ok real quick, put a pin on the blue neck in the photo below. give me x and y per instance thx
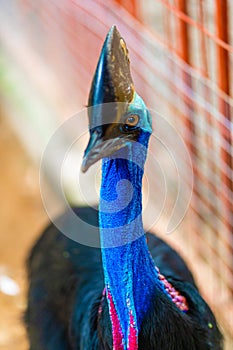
(130, 275)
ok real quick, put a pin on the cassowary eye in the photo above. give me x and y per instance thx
(132, 120)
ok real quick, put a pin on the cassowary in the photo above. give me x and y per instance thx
(135, 292)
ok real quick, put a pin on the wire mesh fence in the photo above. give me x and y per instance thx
(200, 34)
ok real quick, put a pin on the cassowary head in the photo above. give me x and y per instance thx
(117, 114)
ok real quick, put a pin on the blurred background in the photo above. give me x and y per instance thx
(182, 64)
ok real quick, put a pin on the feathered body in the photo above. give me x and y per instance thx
(135, 292)
(66, 287)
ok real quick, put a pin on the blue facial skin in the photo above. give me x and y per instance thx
(129, 270)
(137, 106)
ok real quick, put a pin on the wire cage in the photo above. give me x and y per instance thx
(181, 56)
(198, 37)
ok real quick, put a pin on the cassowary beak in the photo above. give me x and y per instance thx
(111, 91)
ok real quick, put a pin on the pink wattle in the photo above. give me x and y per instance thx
(133, 336)
(116, 327)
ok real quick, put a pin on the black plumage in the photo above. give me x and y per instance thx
(66, 285)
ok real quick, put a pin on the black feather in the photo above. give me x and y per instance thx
(65, 292)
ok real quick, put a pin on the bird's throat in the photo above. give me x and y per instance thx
(128, 267)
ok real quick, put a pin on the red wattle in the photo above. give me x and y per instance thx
(133, 336)
(116, 327)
